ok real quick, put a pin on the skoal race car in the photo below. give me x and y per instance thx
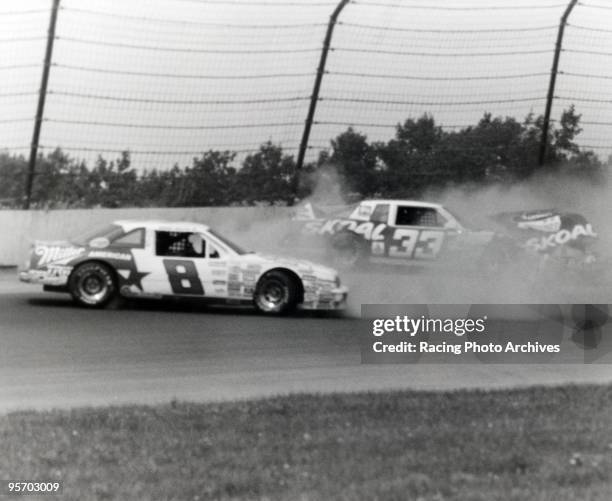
(408, 232)
(155, 259)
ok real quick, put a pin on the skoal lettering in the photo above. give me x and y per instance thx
(561, 237)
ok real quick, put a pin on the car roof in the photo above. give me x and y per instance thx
(396, 201)
(159, 224)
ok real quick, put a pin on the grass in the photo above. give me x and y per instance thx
(526, 444)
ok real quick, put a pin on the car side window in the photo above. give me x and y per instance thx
(132, 240)
(179, 244)
(380, 213)
(213, 252)
(417, 216)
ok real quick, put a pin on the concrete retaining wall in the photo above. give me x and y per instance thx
(253, 227)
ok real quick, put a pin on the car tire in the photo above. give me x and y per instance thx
(92, 285)
(346, 250)
(276, 293)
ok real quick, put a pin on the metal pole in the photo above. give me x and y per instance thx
(317, 84)
(41, 103)
(551, 85)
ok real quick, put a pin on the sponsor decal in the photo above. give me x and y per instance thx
(99, 243)
(250, 276)
(234, 289)
(217, 264)
(530, 216)
(549, 224)
(368, 229)
(56, 254)
(560, 238)
(55, 271)
(122, 256)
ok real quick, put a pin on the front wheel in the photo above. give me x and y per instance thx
(276, 293)
(92, 285)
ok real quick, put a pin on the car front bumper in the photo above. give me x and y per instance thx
(53, 277)
(335, 299)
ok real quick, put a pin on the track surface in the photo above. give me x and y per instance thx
(57, 355)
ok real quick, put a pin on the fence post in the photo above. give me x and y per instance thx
(551, 85)
(317, 84)
(41, 103)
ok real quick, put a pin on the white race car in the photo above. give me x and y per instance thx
(156, 259)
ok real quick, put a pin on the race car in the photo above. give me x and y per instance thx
(156, 259)
(409, 232)
(565, 237)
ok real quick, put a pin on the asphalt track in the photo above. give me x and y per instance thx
(55, 354)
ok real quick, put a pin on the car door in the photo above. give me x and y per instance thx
(181, 265)
(417, 233)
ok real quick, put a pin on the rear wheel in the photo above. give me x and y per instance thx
(92, 285)
(276, 293)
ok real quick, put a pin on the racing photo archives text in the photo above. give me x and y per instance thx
(457, 327)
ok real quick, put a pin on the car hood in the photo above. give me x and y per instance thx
(298, 265)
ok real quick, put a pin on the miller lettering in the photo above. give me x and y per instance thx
(59, 255)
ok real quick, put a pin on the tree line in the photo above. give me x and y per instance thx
(420, 157)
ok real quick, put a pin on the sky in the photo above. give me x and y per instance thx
(169, 79)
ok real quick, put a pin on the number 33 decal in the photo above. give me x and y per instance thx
(416, 244)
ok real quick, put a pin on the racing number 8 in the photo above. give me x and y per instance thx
(183, 277)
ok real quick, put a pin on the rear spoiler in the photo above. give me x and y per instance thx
(304, 213)
(308, 211)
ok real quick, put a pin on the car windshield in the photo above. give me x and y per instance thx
(236, 248)
(460, 219)
(109, 231)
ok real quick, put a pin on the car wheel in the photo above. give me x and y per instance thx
(346, 250)
(92, 285)
(276, 293)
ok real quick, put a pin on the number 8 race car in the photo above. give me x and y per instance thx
(155, 259)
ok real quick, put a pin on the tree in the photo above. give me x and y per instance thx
(209, 181)
(12, 179)
(356, 162)
(267, 176)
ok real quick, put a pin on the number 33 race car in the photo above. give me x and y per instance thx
(407, 232)
(156, 259)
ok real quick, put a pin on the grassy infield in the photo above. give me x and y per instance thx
(528, 444)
